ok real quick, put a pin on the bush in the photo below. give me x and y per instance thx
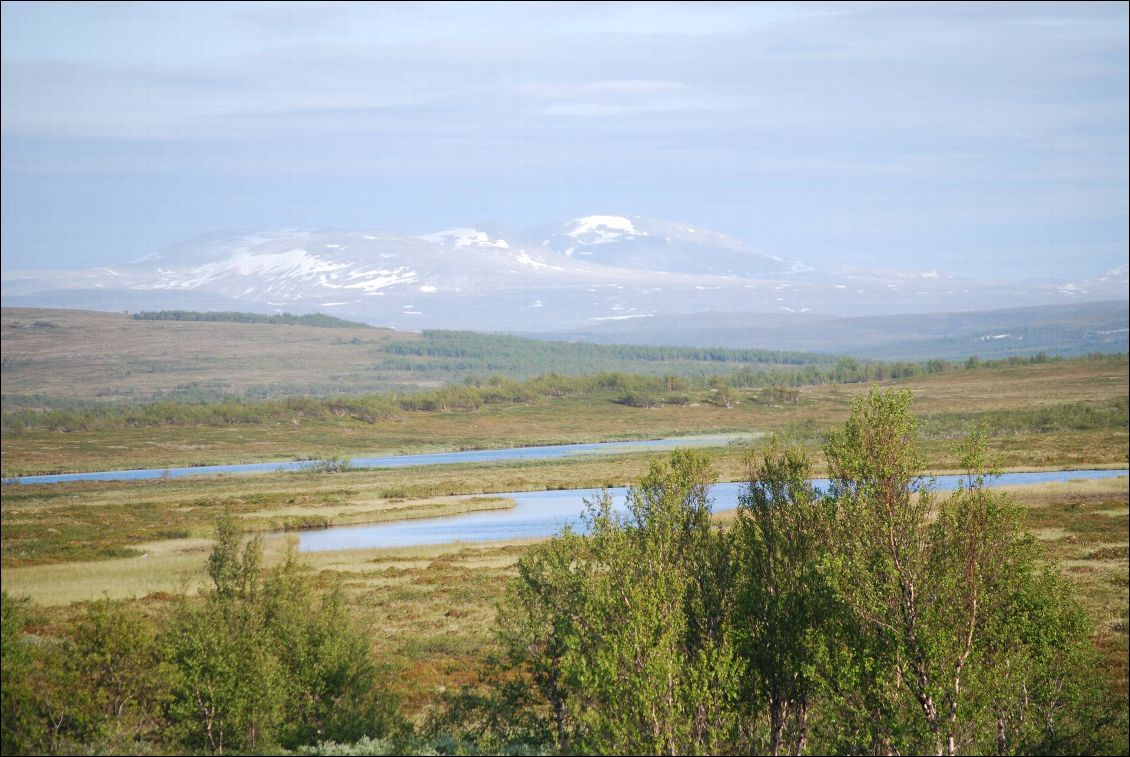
(637, 399)
(336, 464)
(869, 618)
(273, 660)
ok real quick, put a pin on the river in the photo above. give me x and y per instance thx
(540, 514)
(546, 452)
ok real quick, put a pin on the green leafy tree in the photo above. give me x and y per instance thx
(947, 596)
(878, 618)
(46, 707)
(330, 679)
(270, 660)
(634, 657)
(17, 695)
(722, 393)
(540, 629)
(228, 689)
(115, 655)
(874, 464)
(234, 575)
(786, 611)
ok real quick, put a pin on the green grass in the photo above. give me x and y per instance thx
(102, 521)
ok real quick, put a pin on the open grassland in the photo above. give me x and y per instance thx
(63, 356)
(87, 520)
(429, 610)
(103, 521)
(86, 355)
(1066, 413)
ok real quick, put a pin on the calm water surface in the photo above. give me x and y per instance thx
(544, 513)
(404, 461)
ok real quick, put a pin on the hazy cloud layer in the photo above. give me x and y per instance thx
(974, 138)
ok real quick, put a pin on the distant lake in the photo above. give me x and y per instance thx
(547, 452)
(543, 513)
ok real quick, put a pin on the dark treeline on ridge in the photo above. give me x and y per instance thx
(286, 319)
(437, 343)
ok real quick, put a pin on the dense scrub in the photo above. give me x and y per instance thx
(265, 660)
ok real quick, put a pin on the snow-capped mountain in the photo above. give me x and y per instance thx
(578, 274)
(644, 244)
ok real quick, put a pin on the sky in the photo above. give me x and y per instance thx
(982, 140)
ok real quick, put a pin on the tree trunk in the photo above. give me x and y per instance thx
(802, 728)
(777, 713)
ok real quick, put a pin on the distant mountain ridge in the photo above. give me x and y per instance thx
(1076, 329)
(576, 275)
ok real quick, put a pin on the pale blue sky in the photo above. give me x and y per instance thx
(979, 139)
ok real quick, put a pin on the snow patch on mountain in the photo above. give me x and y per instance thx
(620, 317)
(374, 279)
(524, 258)
(285, 274)
(296, 263)
(465, 237)
(601, 230)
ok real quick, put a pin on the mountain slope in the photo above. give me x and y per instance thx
(643, 244)
(566, 277)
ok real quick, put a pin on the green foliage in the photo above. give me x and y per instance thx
(638, 399)
(503, 352)
(266, 660)
(46, 707)
(330, 677)
(115, 654)
(17, 695)
(439, 744)
(24, 414)
(722, 393)
(228, 688)
(620, 633)
(947, 599)
(786, 610)
(1044, 419)
(269, 660)
(874, 618)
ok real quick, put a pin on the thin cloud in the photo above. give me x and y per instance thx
(897, 122)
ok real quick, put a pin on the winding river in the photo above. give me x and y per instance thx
(547, 452)
(537, 514)
(543, 513)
